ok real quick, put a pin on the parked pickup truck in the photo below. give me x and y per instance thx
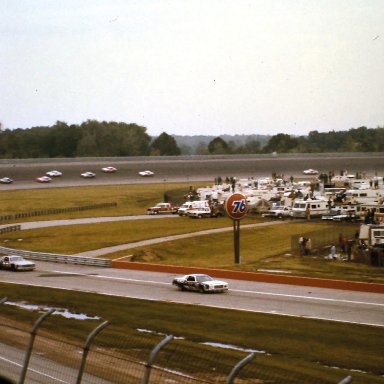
(279, 212)
(163, 208)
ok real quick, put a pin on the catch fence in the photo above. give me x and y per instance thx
(105, 355)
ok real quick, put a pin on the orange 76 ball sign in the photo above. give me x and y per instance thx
(236, 206)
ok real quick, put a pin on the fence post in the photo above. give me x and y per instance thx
(90, 337)
(152, 357)
(346, 380)
(30, 346)
(239, 366)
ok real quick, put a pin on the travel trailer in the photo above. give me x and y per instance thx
(363, 196)
(311, 207)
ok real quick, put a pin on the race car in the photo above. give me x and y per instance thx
(43, 179)
(16, 263)
(200, 283)
(6, 180)
(54, 173)
(88, 175)
(109, 169)
(310, 171)
(146, 173)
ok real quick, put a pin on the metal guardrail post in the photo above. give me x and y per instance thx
(30, 346)
(3, 300)
(346, 380)
(239, 366)
(90, 338)
(152, 357)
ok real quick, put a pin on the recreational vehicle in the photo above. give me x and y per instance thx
(310, 207)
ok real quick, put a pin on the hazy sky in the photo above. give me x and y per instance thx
(194, 67)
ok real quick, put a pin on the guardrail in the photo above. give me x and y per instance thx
(56, 258)
(55, 211)
(11, 228)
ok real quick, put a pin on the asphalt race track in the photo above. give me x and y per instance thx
(309, 302)
(184, 168)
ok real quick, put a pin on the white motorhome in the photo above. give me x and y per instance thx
(313, 207)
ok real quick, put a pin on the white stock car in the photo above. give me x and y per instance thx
(109, 169)
(88, 175)
(146, 173)
(200, 282)
(6, 180)
(54, 173)
(310, 171)
(16, 263)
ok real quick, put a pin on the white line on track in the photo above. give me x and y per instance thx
(34, 370)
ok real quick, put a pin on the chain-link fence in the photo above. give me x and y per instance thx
(322, 239)
(106, 356)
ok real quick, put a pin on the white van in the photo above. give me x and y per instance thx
(189, 205)
(316, 207)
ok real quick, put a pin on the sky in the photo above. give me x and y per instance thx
(196, 67)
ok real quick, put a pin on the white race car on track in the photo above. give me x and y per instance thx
(200, 282)
(43, 179)
(16, 263)
(146, 173)
(6, 180)
(88, 175)
(54, 173)
(109, 169)
(310, 171)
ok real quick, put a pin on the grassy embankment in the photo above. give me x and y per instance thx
(300, 350)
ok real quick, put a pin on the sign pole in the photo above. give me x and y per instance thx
(236, 240)
(236, 207)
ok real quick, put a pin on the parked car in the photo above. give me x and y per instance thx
(109, 169)
(16, 263)
(88, 175)
(43, 179)
(200, 282)
(6, 180)
(146, 173)
(54, 173)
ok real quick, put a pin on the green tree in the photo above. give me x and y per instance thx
(218, 146)
(165, 145)
(281, 143)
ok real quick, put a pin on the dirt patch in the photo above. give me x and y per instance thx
(144, 256)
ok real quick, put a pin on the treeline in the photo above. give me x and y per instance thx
(103, 139)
